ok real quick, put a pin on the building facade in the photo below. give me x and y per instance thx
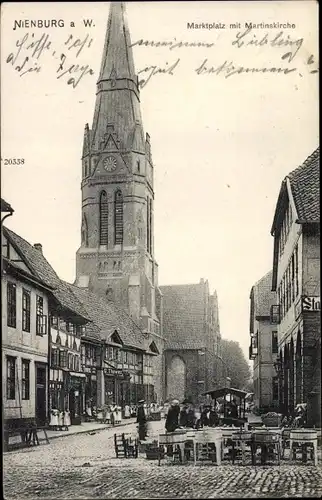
(192, 350)
(119, 356)
(116, 257)
(24, 339)
(296, 279)
(264, 344)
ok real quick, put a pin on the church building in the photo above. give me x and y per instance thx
(192, 352)
(116, 257)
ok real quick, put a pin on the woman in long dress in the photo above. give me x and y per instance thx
(127, 412)
(66, 419)
(53, 424)
(108, 415)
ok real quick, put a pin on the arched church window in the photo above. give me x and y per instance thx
(138, 166)
(103, 219)
(118, 217)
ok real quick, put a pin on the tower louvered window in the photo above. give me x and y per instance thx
(118, 218)
(103, 219)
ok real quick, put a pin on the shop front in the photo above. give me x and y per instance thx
(57, 386)
(76, 396)
(91, 389)
(117, 386)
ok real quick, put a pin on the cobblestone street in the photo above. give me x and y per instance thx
(84, 466)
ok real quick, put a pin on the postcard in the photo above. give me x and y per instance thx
(160, 230)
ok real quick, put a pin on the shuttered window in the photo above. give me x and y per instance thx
(103, 219)
(118, 217)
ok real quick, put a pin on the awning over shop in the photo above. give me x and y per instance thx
(80, 375)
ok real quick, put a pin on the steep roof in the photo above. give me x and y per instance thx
(264, 298)
(104, 317)
(117, 107)
(39, 265)
(184, 316)
(117, 57)
(107, 317)
(305, 185)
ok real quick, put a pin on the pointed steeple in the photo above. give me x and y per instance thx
(117, 100)
(117, 61)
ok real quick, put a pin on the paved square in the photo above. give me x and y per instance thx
(84, 466)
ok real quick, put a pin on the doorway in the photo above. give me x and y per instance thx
(41, 393)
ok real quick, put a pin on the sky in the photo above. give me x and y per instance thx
(222, 142)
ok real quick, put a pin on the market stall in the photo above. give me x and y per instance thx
(233, 406)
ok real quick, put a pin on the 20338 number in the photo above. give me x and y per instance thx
(14, 161)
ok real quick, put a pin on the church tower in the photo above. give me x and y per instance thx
(116, 257)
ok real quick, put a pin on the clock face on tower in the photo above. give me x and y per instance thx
(110, 164)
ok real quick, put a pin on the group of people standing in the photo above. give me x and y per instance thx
(190, 417)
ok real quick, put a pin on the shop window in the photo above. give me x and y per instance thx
(25, 380)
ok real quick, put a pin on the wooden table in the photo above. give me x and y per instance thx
(208, 436)
(266, 439)
(174, 439)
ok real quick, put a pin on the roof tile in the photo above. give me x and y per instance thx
(184, 316)
(305, 185)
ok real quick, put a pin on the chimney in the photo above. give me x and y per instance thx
(38, 246)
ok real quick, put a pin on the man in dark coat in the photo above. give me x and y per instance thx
(204, 420)
(141, 420)
(172, 420)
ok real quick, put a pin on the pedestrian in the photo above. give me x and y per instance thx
(183, 418)
(108, 414)
(127, 412)
(113, 410)
(213, 418)
(205, 414)
(66, 419)
(172, 420)
(197, 418)
(141, 420)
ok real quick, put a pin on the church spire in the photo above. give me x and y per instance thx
(117, 108)
(117, 60)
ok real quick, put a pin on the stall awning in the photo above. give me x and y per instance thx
(80, 375)
(219, 393)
